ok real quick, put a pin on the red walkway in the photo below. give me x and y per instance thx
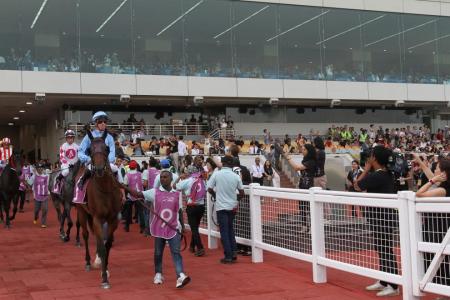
(35, 264)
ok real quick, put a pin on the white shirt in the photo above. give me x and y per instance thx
(195, 151)
(253, 150)
(257, 171)
(182, 149)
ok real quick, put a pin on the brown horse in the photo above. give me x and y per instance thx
(103, 205)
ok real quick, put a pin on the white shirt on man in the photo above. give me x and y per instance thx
(182, 148)
(257, 171)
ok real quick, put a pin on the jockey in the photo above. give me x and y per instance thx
(100, 119)
(68, 154)
(6, 151)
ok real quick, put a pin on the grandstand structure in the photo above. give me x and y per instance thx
(280, 63)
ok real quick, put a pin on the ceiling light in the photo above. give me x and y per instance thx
(38, 13)
(16, 118)
(401, 32)
(179, 18)
(242, 21)
(111, 15)
(11, 124)
(384, 50)
(297, 26)
(21, 111)
(351, 29)
(29, 103)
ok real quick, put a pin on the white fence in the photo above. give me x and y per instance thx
(389, 237)
(151, 130)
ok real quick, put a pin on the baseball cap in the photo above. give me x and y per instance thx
(133, 164)
(165, 163)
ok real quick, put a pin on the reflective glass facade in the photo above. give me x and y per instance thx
(223, 38)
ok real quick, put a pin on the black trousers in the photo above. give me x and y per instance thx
(128, 213)
(22, 199)
(258, 180)
(195, 214)
(383, 238)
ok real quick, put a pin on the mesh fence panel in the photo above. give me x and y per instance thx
(363, 236)
(286, 224)
(434, 228)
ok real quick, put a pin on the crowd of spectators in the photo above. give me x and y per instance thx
(113, 63)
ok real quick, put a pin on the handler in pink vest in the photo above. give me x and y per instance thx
(133, 179)
(165, 226)
(39, 182)
(26, 174)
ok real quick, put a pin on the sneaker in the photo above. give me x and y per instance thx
(389, 291)
(377, 286)
(43, 226)
(226, 261)
(34, 222)
(200, 252)
(182, 281)
(158, 278)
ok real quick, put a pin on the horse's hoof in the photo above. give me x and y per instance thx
(78, 244)
(97, 262)
(106, 285)
(66, 239)
(88, 268)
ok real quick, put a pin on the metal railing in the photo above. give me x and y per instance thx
(150, 130)
(222, 133)
(391, 237)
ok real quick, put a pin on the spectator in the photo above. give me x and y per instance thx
(131, 119)
(382, 220)
(223, 185)
(257, 172)
(182, 151)
(320, 178)
(268, 173)
(352, 176)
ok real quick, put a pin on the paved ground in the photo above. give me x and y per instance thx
(35, 264)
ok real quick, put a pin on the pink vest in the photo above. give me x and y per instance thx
(198, 190)
(26, 172)
(135, 182)
(40, 187)
(166, 206)
(152, 174)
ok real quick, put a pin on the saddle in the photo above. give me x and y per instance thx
(79, 196)
(58, 186)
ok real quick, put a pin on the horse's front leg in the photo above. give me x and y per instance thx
(67, 208)
(15, 199)
(101, 251)
(7, 204)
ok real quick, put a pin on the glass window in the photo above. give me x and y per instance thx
(206, 54)
(420, 48)
(10, 35)
(299, 33)
(382, 50)
(343, 59)
(443, 40)
(252, 24)
(105, 33)
(49, 36)
(158, 37)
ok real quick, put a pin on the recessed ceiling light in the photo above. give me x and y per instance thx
(11, 124)
(385, 50)
(16, 118)
(21, 111)
(350, 48)
(29, 103)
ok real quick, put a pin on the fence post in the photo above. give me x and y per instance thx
(415, 236)
(255, 224)
(317, 237)
(405, 243)
(212, 240)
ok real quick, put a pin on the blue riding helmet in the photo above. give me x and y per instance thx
(99, 115)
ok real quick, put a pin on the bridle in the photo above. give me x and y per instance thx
(98, 149)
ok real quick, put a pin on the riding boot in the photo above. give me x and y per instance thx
(83, 178)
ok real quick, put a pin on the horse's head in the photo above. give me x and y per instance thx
(16, 161)
(99, 154)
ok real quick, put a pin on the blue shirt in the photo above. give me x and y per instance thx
(86, 144)
(225, 182)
